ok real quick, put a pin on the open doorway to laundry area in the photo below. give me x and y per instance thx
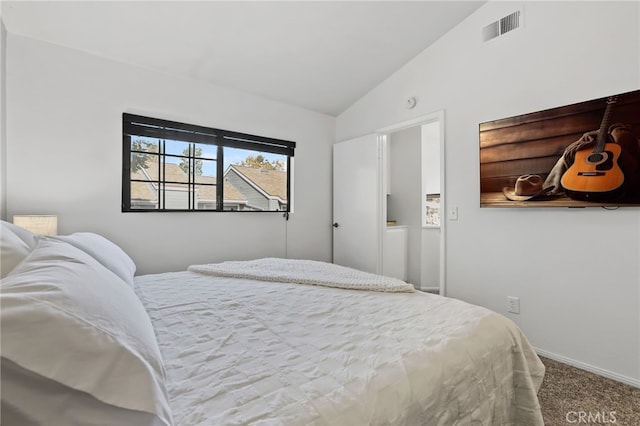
(413, 171)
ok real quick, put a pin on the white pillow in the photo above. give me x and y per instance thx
(25, 235)
(58, 404)
(110, 255)
(67, 318)
(15, 244)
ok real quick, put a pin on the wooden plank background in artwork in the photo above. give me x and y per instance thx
(533, 143)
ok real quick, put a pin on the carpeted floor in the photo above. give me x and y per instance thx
(569, 396)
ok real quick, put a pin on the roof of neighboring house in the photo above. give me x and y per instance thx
(208, 192)
(142, 190)
(272, 182)
(173, 172)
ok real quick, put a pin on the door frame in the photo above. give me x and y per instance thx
(383, 136)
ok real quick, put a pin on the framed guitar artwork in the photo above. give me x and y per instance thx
(579, 155)
(595, 173)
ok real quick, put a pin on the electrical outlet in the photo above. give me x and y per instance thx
(513, 304)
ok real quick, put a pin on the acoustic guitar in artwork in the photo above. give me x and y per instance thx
(595, 174)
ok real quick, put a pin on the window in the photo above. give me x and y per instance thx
(170, 166)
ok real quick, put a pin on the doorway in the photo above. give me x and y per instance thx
(413, 176)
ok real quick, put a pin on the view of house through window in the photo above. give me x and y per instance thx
(255, 180)
(195, 168)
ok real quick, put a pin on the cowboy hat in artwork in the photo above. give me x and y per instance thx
(528, 188)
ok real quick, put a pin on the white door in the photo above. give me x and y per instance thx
(357, 215)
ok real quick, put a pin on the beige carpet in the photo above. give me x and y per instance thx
(572, 396)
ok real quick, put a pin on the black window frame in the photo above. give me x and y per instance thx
(137, 125)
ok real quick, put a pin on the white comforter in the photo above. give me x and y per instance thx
(303, 271)
(250, 352)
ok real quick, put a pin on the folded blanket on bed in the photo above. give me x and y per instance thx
(303, 272)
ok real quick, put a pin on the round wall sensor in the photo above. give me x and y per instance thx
(410, 103)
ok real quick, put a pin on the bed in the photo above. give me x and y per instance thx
(264, 342)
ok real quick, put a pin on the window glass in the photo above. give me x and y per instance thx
(260, 178)
(171, 166)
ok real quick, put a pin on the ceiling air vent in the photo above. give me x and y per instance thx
(501, 26)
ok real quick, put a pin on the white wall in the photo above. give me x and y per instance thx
(404, 201)
(64, 151)
(3, 120)
(431, 168)
(430, 257)
(575, 271)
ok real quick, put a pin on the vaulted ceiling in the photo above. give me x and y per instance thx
(321, 56)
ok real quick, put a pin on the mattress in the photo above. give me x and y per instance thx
(244, 351)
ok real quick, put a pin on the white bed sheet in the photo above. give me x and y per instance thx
(250, 352)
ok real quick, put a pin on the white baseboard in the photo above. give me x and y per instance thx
(583, 366)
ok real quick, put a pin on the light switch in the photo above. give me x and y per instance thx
(453, 213)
